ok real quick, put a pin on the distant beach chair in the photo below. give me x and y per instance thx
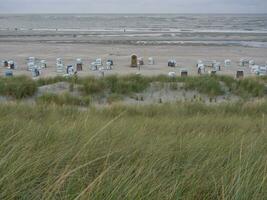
(79, 64)
(184, 72)
(227, 63)
(108, 66)
(36, 72)
(240, 74)
(141, 61)
(93, 66)
(262, 70)
(98, 62)
(243, 62)
(251, 63)
(259, 70)
(8, 73)
(172, 63)
(70, 70)
(151, 61)
(43, 64)
(5, 63)
(30, 63)
(60, 66)
(12, 64)
(134, 61)
(172, 74)
(200, 68)
(111, 62)
(217, 66)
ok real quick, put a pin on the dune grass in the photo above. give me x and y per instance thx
(17, 87)
(205, 84)
(179, 151)
(63, 99)
(125, 85)
(119, 86)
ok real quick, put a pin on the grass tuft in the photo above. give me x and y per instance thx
(17, 87)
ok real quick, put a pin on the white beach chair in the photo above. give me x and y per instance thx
(93, 66)
(98, 62)
(151, 61)
(172, 74)
(108, 65)
(140, 61)
(227, 63)
(60, 66)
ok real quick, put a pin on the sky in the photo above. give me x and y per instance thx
(133, 6)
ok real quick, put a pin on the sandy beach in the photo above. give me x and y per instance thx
(186, 56)
(185, 38)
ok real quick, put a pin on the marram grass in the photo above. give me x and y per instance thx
(181, 151)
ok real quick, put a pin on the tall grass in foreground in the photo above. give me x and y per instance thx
(182, 151)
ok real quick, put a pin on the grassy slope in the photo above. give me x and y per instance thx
(183, 151)
(114, 88)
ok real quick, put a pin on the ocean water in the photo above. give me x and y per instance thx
(245, 30)
(220, 22)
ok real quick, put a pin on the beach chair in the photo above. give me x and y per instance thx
(255, 69)
(262, 70)
(60, 66)
(134, 61)
(111, 62)
(30, 63)
(243, 62)
(151, 61)
(11, 64)
(70, 70)
(200, 68)
(172, 74)
(108, 65)
(79, 64)
(217, 66)
(184, 72)
(171, 63)
(240, 74)
(8, 73)
(98, 62)
(141, 61)
(5, 63)
(93, 66)
(36, 72)
(43, 64)
(227, 63)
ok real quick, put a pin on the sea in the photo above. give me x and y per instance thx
(233, 29)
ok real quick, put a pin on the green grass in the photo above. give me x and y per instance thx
(63, 99)
(17, 87)
(126, 85)
(22, 87)
(179, 151)
(250, 87)
(204, 84)
(52, 80)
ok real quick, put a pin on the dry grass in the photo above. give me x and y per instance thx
(169, 151)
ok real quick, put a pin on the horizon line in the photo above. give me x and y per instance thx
(131, 13)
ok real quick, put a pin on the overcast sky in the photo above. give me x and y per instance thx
(133, 6)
